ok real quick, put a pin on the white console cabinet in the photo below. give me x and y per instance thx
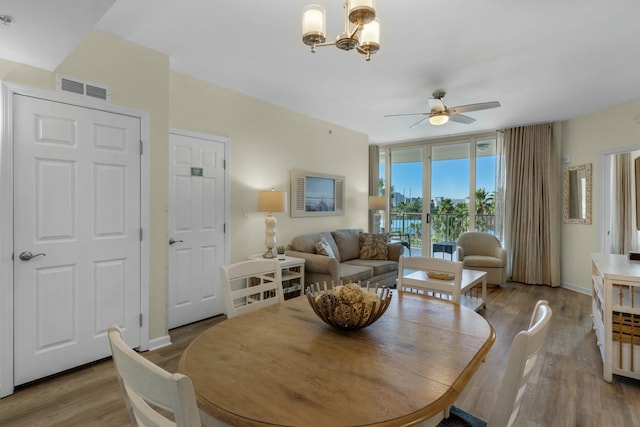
(616, 313)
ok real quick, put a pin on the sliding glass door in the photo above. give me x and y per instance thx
(485, 185)
(438, 191)
(450, 177)
(406, 199)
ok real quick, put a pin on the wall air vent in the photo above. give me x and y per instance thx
(79, 87)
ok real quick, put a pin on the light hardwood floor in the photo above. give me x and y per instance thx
(566, 388)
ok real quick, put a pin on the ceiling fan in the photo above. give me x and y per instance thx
(441, 114)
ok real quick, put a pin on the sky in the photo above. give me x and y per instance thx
(449, 178)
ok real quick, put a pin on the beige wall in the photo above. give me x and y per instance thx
(583, 140)
(266, 143)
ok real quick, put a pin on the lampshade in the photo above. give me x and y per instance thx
(377, 203)
(438, 119)
(314, 23)
(370, 34)
(361, 11)
(272, 201)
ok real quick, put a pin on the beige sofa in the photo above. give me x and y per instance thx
(346, 266)
(483, 251)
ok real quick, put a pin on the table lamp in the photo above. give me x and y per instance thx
(271, 201)
(377, 204)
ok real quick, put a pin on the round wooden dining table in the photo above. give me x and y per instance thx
(282, 366)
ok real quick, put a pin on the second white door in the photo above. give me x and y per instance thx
(196, 227)
(76, 234)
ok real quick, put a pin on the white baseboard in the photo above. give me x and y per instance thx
(576, 288)
(159, 342)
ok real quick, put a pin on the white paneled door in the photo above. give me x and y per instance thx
(196, 227)
(76, 234)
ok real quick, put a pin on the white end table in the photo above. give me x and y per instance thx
(292, 275)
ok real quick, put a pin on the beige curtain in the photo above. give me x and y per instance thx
(501, 182)
(622, 231)
(532, 212)
(374, 175)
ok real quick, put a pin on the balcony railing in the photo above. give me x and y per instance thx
(444, 227)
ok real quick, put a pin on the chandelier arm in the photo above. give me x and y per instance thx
(324, 44)
(355, 30)
(347, 23)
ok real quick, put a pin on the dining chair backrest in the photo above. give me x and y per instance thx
(522, 359)
(249, 285)
(143, 384)
(433, 276)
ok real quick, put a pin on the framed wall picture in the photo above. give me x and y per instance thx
(316, 194)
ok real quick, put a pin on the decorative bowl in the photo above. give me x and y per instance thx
(349, 306)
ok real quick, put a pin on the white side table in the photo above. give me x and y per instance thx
(292, 275)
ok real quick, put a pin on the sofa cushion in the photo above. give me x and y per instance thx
(323, 248)
(374, 246)
(307, 243)
(348, 243)
(482, 261)
(350, 273)
(379, 266)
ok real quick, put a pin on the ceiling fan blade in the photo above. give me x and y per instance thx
(407, 114)
(474, 107)
(459, 118)
(418, 122)
(436, 104)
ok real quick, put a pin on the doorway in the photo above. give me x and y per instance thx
(609, 229)
(197, 212)
(73, 181)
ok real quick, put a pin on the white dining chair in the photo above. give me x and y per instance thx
(431, 276)
(249, 285)
(522, 359)
(145, 385)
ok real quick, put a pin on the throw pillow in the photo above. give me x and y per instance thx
(374, 246)
(323, 248)
(347, 243)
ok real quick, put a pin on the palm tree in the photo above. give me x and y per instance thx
(485, 202)
(485, 209)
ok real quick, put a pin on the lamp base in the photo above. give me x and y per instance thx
(268, 254)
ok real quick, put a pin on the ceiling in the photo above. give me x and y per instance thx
(544, 60)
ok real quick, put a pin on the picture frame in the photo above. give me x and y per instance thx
(316, 194)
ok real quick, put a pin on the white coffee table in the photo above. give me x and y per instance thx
(470, 279)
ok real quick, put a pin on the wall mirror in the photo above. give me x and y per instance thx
(577, 194)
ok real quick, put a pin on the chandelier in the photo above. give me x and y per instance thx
(361, 27)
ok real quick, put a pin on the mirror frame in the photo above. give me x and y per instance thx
(587, 169)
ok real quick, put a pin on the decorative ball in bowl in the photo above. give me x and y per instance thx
(349, 306)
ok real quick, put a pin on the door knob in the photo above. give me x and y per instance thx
(171, 241)
(26, 255)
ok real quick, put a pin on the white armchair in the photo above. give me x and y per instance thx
(482, 251)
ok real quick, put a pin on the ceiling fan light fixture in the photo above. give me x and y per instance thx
(439, 118)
